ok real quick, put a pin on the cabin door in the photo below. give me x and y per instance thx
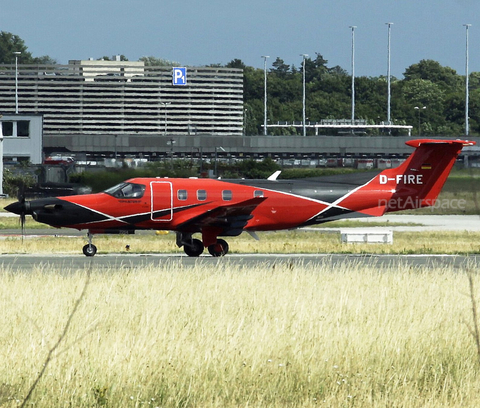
(162, 201)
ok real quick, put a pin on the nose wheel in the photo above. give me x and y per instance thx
(89, 249)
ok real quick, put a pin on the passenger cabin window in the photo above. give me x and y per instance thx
(201, 195)
(227, 195)
(258, 193)
(182, 195)
(126, 190)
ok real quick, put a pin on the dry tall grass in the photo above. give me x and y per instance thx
(227, 336)
(299, 241)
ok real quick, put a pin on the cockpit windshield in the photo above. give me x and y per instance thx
(126, 190)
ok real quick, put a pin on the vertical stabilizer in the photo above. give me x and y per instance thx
(415, 183)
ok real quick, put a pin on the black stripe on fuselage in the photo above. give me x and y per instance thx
(327, 189)
(57, 212)
(138, 218)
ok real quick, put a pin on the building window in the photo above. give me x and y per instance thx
(182, 195)
(227, 195)
(23, 128)
(7, 128)
(201, 195)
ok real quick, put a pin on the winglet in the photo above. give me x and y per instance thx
(274, 176)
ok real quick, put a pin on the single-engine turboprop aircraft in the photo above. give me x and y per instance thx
(215, 208)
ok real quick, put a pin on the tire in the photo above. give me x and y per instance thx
(194, 249)
(89, 250)
(218, 249)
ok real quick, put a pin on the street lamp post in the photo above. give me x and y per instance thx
(245, 122)
(265, 94)
(419, 111)
(165, 104)
(171, 142)
(466, 79)
(388, 74)
(216, 157)
(17, 53)
(353, 74)
(303, 112)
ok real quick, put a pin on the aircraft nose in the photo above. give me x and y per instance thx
(18, 208)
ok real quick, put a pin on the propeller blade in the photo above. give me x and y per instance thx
(22, 224)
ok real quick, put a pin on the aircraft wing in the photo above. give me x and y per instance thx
(230, 219)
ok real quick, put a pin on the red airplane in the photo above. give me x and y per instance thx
(215, 208)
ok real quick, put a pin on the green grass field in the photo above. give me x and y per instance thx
(225, 336)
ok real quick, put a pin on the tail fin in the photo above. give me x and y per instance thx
(414, 184)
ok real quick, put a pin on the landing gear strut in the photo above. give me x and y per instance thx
(89, 249)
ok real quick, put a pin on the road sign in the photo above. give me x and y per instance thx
(179, 76)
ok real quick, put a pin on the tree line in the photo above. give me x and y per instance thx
(430, 97)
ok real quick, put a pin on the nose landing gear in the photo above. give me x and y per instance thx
(89, 249)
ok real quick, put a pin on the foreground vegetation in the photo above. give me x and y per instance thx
(228, 336)
(281, 242)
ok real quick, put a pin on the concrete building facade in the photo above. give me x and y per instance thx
(22, 137)
(125, 98)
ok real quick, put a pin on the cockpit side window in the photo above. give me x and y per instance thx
(126, 190)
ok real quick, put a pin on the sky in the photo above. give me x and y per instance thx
(203, 32)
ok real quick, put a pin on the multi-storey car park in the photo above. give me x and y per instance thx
(119, 98)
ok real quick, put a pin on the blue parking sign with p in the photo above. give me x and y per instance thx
(179, 76)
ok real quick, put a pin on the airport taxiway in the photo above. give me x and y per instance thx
(116, 262)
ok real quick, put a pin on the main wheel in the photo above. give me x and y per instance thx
(89, 250)
(194, 249)
(220, 248)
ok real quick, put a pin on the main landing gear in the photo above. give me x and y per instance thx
(194, 247)
(220, 248)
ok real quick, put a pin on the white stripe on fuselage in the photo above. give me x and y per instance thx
(334, 204)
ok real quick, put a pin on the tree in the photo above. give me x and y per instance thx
(280, 68)
(105, 58)
(430, 70)
(45, 60)
(158, 62)
(10, 43)
(236, 63)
